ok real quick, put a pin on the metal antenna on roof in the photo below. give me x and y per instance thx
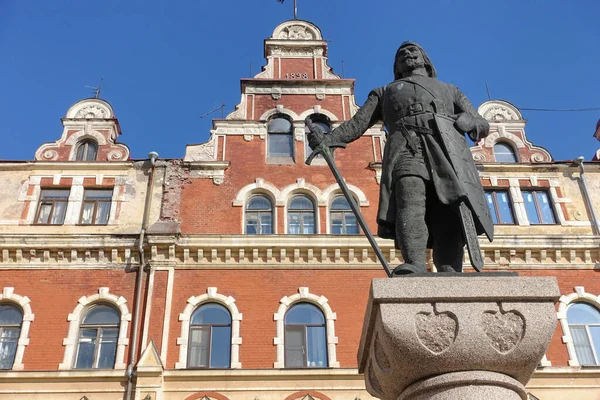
(221, 107)
(295, 8)
(96, 89)
(488, 90)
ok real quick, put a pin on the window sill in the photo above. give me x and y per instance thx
(280, 161)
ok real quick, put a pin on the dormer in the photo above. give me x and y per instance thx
(90, 132)
(507, 142)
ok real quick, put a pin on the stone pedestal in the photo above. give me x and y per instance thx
(468, 336)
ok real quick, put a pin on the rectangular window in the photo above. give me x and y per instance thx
(500, 206)
(281, 145)
(538, 207)
(96, 206)
(52, 207)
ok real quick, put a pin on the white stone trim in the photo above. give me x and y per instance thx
(8, 296)
(304, 296)
(193, 303)
(318, 110)
(75, 318)
(279, 110)
(333, 190)
(505, 137)
(82, 135)
(563, 304)
(101, 108)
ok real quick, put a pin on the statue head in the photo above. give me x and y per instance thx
(410, 56)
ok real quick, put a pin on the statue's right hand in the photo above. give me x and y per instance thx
(316, 135)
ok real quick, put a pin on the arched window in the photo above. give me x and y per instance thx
(280, 139)
(259, 216)
(504, 153)
(323, 122)
(584, 325)
(210, 337)
(87, 150)
(98, 334)
(305, 337)
(301, 215)
(343, 221)
(10, 329)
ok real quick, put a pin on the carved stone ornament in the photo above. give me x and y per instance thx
(436, 331)
(499, 111)
(92, 111)
(202, 152)
(505, 329)
(456, 337)
(296, 32)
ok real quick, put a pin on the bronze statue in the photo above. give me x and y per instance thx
(430, 194)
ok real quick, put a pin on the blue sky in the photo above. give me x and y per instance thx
(165, 63)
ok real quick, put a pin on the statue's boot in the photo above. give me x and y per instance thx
(407, 269)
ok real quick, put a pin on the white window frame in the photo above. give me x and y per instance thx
(304, 296)
(8, 296)
(193, 303)
(580, 296)
(76, 317)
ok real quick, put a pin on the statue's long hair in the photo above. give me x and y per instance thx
(428, 64)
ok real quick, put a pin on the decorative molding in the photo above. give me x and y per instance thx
(318, 110)
(91, 109)
(240, 111)
(259, 186)
(314, 89)
(193, 303)
(334, 189)
(297, 30)
(563, 304)
(206, 151)
(280, 109)
(499, 111)
(8, 296)
(322, 303)
(75, 318)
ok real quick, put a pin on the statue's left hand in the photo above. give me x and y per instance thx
(476, 128)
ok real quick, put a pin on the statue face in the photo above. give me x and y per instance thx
(409, 59)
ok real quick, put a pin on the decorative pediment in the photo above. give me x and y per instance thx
(91, 121)
(297, 30)
(499, 111)
(507, 129)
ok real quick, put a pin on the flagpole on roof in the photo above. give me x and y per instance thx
(295, 10)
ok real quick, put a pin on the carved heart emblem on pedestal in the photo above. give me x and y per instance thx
(505, 329)
(436, 332)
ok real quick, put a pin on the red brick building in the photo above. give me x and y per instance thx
(255, 275)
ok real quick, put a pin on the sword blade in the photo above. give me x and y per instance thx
(327, 155)
(468, 225)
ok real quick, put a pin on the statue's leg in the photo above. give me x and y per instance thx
(411, 230)
(447, 237)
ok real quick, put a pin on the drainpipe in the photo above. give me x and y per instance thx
(152, 156)
(579, 162)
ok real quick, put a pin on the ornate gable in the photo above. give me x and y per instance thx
(507, 127)
(91, 121)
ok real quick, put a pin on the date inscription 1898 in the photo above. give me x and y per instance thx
(297, 75)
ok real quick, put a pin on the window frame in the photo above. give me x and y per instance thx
(95, 202)
(41, 202)
(98, 343)
(281, 159)
(305, 336)
(210, 335)
(586, 327)
(331, 211)
(511, 206)
(546, 192)
(259, 213)
(84, 144)
(14, 339)
(511, 147)
(302, 212)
